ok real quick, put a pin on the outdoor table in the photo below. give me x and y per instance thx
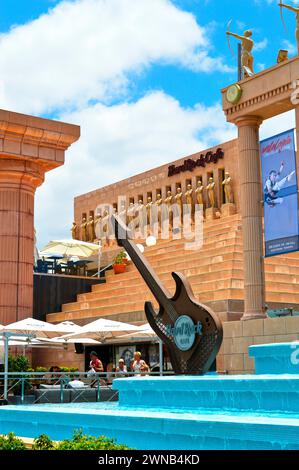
(82, 264)
(52, 260)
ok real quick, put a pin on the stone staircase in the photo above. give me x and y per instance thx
(215, 273)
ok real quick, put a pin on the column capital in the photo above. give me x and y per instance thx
(253, 121)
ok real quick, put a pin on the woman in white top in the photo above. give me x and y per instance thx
(139, 365)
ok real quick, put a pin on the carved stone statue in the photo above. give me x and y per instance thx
(199, 192)
(211, 193)
(130, 214)
(247, 46)
(295, 10)
(228, 190)
(91, 236)
(84, 230)
(74, 231)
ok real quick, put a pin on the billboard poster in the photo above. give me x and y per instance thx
(280, 190)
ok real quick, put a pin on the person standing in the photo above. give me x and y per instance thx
(139, 365)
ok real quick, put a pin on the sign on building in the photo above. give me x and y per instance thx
(280, 191)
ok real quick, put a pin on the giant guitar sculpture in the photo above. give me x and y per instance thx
(191, 331)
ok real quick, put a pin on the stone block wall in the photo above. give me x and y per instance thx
(239, 335)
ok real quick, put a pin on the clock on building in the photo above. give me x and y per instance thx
(234, 93)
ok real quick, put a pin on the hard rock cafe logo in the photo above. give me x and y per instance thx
(184, 332)
(202, 161)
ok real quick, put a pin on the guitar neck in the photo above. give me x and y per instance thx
(141, 263)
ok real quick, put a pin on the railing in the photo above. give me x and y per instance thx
(20, 383)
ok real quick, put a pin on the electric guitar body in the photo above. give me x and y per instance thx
(191, 331)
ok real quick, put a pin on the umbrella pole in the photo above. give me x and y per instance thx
(161, 357)
(6, 340)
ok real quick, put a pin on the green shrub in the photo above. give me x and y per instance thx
(11, 442)
(43, 442)
(80, 441)
(121, 258)
(41, 369)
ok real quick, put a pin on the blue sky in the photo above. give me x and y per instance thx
(141, 77)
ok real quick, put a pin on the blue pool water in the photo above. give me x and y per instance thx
(194, 413)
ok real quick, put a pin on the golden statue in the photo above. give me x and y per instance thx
(74, 231)
(179, 198)
(189, 198)
(98, 225)
(295, 10)
(228, 190)
(168, 203)
(149, 207)
(211, 193)
(247, 46)
(130, 213)
(123, 212)
(141, 222)
(105, 229)
(91, 236)
(178, 207)
(199, 192)
(84, 230)
(158, 204)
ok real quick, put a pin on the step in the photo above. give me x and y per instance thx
(107, 298)
(251, 393)
(217, 259)
(204, 286)
(116, 289)
(130, 307)
(207, 240)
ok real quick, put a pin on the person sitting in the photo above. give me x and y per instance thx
(140, 367)
(75, 383)
(95, 366)
(110, 369)
(54, 375)
(121, 370)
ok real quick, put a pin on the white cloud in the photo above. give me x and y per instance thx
(86, 49)
(261, 45)
(120, 141)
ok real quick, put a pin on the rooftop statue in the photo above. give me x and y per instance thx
(295, 10)
(247, 46)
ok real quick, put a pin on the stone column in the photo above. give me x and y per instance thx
(252, 213)
(18, 182)
(29, 147)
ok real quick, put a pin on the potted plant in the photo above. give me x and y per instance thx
(120, 262)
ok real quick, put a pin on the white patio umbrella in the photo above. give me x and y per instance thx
(36, 328)
(62, 340)
(68, 248)
(143, 331)
(103, 329)
(67, 327)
